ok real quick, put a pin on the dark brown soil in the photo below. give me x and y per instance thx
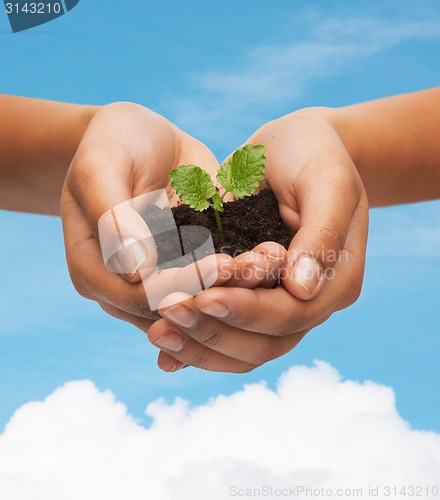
(246, 223)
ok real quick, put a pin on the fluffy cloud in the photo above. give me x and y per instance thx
(314, 430)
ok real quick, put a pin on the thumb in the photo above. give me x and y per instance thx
(125, 151)
(126, 241)
(102, 186)
(326, 212)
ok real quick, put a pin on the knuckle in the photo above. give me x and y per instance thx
(80, 246)
(288, 324)
(330, 238)
(351, 187)
(124, 107)
(79, 173)
(107, 309)
(350, 295)
(90, 162)
(267, 128)
(82, 289)
(76, 272)
(269, 352)
(199, 360)
(211, 337)
(354, 294)
(346, 181)
(287, 328)
(142, 310)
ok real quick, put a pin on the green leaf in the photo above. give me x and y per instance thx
(244, 172)
(218, 203)
(193, 185)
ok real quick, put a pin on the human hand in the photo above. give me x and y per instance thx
(322, 198)
(127, 150)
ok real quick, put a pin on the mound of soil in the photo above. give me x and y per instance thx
(246, 223)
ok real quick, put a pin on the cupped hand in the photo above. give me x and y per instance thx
(126, 151)
(322, 199)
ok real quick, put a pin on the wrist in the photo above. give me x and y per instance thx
(341, 123)
(77, 125)
(38, 141)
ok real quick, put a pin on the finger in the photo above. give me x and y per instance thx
(215, 349)
(272, 250)
(325, 213)
(126, 242)
(275, 256)
(185, 350)
(260, 267)
(170, 360)
(195, 152)
(121, 155)
(273, 312)
(167, 363)
(86, 266)
(102, 179)
(276, 311)
(179, 348)
(142, 323)
(90, 276)
(176, 284)
(351, 264)
(125, 238)
(239, 344)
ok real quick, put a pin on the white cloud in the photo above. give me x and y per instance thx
(268, 79)
(313, 430)
(372, 35)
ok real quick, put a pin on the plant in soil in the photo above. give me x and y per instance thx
(241, 176)
(249, 220)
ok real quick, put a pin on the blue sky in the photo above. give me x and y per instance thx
(192, 61)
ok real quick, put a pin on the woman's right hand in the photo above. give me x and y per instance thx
(127, 150)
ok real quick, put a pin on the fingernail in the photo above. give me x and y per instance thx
(307, 273)
(132, 256)
(210, 277)
(171, 342)
(181, 316)
(177, 367)
(171, 365)
(215, 309)
(272, 257)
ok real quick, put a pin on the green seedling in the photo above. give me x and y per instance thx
(240, 176)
